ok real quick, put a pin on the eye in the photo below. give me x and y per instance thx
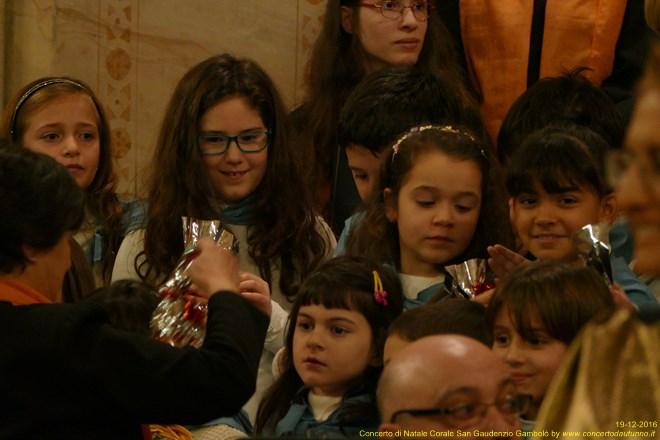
(566, 201)
(88, 136)
(501, 339)
(50, 136)
(426, 203)
(419, 6)
(339, 330)
(248, 137)
(464, 208)
(535, 341)
(526, 200)
(304, 325)
(214, 139)
(464, 411)
(390, 5)
(360, 176)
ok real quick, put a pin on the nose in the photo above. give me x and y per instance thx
(513, 356)
(545, 213)
(408, 20)
(233, 153)
(70, 147)
(314, 339)
(443, 215)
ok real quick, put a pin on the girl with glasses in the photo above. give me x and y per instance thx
(223, 152)
(359, 38)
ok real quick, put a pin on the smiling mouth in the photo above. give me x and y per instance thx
(234, 174)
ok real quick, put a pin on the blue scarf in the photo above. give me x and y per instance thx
(241, 212)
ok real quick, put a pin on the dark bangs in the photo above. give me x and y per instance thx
(558, 162)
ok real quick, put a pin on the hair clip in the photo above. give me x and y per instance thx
(380, 295)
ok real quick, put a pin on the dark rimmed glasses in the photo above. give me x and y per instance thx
(212, 144)
(392, 9)
(471, 414)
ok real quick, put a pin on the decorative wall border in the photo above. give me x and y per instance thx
(118, 21)
(310, 21)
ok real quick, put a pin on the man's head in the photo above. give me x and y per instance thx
(460, 378)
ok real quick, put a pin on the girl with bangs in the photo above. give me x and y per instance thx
(334, 353)
(557, 186)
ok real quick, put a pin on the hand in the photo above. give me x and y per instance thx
(503, 261)
(484, 297)
(621, 300)
(257, 291)
(214, 269)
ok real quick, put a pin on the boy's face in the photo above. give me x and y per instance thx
(364, 165)
(533, 361)
(545, 222)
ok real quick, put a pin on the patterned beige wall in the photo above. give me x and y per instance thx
(132, 52)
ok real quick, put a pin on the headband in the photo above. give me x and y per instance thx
(32, 90)
(443, 128)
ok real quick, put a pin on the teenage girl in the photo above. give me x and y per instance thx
(224, 153)
(438, 201)
(534, 315)
(62, 117)
(334, 345)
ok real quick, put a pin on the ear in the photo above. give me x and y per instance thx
(609, 209)
(30, 253)
(390, 205)
(347, 19)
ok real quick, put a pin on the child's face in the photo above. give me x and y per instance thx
(66, 129)
(532, 362)
(436, 212)
(234, 173)
(545, 222)
(332, 348)
(364, 166)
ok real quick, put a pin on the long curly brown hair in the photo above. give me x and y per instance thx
(285, 225)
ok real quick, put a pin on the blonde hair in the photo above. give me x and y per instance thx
(652, 14)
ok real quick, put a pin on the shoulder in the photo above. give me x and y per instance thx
(326, 232)
(133, 214)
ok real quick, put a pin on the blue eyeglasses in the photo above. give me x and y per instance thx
(212, 144)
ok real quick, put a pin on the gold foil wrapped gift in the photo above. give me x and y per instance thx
(180, 318)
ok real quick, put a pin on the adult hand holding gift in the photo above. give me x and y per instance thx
(180, 318)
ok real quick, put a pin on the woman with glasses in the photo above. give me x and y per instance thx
(223, 153)
(359, 38)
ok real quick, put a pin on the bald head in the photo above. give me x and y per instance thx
(432, 371)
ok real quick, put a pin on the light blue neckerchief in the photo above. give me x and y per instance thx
(241, 212)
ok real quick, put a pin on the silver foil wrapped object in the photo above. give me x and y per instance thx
(593, 245)
(469, 278)
(180, 317)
